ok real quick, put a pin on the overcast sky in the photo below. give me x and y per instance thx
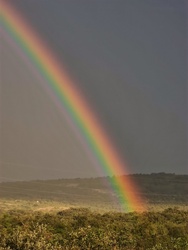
(128, 57)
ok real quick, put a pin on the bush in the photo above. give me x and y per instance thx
(82, 229)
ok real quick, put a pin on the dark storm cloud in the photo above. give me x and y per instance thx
(129, 59)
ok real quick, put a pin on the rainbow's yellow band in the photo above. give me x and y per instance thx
(74, 103)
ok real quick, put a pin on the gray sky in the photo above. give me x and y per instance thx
(128, 58)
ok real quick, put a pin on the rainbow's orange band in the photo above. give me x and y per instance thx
(69, 96)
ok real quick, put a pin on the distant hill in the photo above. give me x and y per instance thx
(157, 188)
(163, 188)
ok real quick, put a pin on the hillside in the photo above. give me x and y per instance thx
(156, 189)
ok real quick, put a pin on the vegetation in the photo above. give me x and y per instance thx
(50, 215)
(83, 229)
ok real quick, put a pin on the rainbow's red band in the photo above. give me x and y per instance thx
(79, 111)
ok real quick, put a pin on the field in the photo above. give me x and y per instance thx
(158, 190)
(85, 214)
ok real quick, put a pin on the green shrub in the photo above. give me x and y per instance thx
(82, 229)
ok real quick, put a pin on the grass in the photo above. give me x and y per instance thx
(54, 206)
(160, 191)
(43, 206)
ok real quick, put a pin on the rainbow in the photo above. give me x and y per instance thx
(74, 103)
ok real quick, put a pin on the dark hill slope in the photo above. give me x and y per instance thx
(155, 188)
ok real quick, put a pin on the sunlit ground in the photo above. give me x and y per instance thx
(52, 206)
